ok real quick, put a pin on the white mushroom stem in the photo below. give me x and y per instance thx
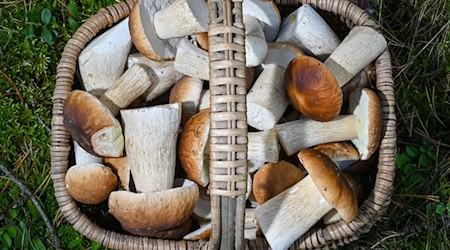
(191, 60)
(332, 217)
(187, 91)
(250, 224)
(162, 74)
(130, 86)
(307, 30)
(204, 100)
(182, 18)
(267, 13)
(263, 146)
(151, 139)
(255, 42)
(82, 157)
(267, 100)
(304, 133)
(291, 213)
(102, 62)
(254, 165)
(359, 48)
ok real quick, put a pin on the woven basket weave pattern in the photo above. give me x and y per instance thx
(228, 131)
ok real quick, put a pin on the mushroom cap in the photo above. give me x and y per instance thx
(187, 91)
(313, 89)
(92, 125)
(154, 211)
(90, 183)
(282, 53)
(194, 145)
(330, 182)
(202, 40)
(203, 233)
(176, 233)
(266, 11)
(273, 178)
(365, 104)
(343, 153)
(143, 32)
(122, 167)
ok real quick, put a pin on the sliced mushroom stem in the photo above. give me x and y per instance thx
(255, 42)
(182, 18)
(204, 100)
(304, 133)
(130, 86)
(263, 146)
(151, 138)
(162, 74)
(83, 157)
(280, 225)
(191, 60)
(360, 47)
(307, 29)
(254, 165)
(267, 100)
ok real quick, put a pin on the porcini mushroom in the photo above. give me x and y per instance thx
(187, 92)
(263, 146)
(204, 102)
(151, 138)
(103, 60)
(306, 29)
(342, 153)
(362, 127)
(122, 167)
(202, 210)
(202, 40)
(267, 13)
(154, 211)
(175, 233)
(92, 125)
(287, 216)
(82, 157)
(90, 183)
(281, 53)
(192, 61)
(255, 42)
(274, 178)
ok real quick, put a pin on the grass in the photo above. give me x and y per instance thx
(418, 33)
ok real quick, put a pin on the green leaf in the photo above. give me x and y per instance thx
(31, 17)
(46, 16)
(412, 152)
(440, 209)
(409, 167)
(72, 23)
(14, 213)
(7, 240)
(432, 154)
(37, 243)
(425, 161)
(12, 231)
(415, 177)
(95, 245)
(33, 210)
(74, 243)
(46, 34)
(73, 8)
(401, 160)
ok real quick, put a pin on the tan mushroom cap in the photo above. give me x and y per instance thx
(343, 153)
(176, 233)
(365, 104)
(193, 145)
(143, 32)
(90, 183)
(155, 211)
(313, 89)
(282, 53)
(330, 182)
(122, 167)
(273, 178)
(202, 40)
(203, 233)
(92, 125)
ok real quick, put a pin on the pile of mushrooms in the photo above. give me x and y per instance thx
(141, 124)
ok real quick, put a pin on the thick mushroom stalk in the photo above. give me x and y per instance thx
(363, 127)
(287, 216)
(191, 60)
(182, 18)
(268, 15)
(255, 42)
(263, 146)
(151, 139)
(307, 29)
(82, 157)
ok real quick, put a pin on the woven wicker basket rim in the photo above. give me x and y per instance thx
(333, 235)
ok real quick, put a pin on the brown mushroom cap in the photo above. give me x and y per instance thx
(273, 178)
(313, 89)
(90, 183)
(343, 153)
(154, 211)
(92, 125)
(202, 40)
(176, 233)
(330, 182)
(193, 144)
(203, 233)
(122, 167)
(365, 104)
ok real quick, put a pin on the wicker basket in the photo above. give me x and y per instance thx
(228, 173)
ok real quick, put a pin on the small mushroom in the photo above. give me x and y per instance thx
(122, 167)
(193, 147)
(255, 42)
(90, 183)
(342, 153)
(202, 40)
(267, 13)
(290, 214)
(154, 211)
(263, 146)
(187, 92)
(274, 178)
(92, 125)
(281, 53)
(192, 61)
(362, 127)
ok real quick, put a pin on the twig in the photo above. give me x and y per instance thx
(28, 193)
(8, 79)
